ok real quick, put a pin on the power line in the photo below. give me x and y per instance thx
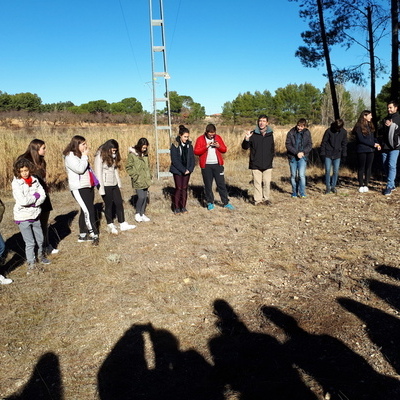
(130, 42)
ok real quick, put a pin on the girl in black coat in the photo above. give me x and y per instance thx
(182, 165)
(364, 131)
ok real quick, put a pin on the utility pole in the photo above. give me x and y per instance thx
(162, 120)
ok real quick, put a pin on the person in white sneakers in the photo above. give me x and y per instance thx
(81, 182)
(138, 168)
(366, 144)
(3, 280)
(107, 162)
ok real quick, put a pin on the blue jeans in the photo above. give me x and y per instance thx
(2, 246)
(298, 176)
(389, 160)
(331, 182)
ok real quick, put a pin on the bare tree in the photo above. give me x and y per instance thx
(394, 13)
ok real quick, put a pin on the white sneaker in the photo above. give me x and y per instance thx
(51, 250)
(145, 219)
(5, 281)
(138, 218)
(124, 226)
(111, 228)
(366, 189)
(361, 189)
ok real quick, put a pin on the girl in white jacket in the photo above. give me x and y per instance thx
(81, 183)
(106, 165)
(28, 195)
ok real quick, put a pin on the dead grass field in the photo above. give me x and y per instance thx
(295, 301)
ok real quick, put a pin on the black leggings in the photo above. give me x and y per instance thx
(113, 196)
(87, 217)
(365, 161)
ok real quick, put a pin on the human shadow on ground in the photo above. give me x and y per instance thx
(383, 329)
(239, 193)
(340, 371)
(196, 191)
(45, 382)
(176, 374)
(388, 271)
(15, 244)
(256, 365)
(61, 228)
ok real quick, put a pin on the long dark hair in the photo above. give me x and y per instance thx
(32, 154)
(367, 127)
(73, 146)
(141, 142)
(106, 154)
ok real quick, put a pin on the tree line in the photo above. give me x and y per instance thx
(33, 103)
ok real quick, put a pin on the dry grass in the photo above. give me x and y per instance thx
(154, 309)
(16, 141)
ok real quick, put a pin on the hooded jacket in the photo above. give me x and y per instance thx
(106, 174)
(176, 150)
(27, 207)
(77, 171)
(138, 168)
(262, 149)
(391, 134)
(334, 144)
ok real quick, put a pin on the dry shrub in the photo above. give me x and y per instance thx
(56, 138)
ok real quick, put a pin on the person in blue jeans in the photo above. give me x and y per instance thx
(333, 150)
(298, 146)
(390, 145)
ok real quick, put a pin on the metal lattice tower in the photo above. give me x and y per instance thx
(162, 120)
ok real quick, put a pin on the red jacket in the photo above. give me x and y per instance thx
(201, 149)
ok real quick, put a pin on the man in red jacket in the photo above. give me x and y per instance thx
(210, 147)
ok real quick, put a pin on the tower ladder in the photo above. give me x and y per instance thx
(162, 120)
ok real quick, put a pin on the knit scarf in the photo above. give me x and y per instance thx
(28, 181)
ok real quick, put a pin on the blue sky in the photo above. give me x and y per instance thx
(91, 50)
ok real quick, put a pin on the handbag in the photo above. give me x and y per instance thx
(93, 179)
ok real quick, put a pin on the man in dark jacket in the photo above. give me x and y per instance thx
(262, 150)
(390, 145)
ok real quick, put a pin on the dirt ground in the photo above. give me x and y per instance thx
(298, 300)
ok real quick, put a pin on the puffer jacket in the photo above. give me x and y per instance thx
(138, 168)
(107, 175)
(27, 207)
(77, 171)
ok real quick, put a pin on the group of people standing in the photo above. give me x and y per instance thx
(33, 205)
(333, 151)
